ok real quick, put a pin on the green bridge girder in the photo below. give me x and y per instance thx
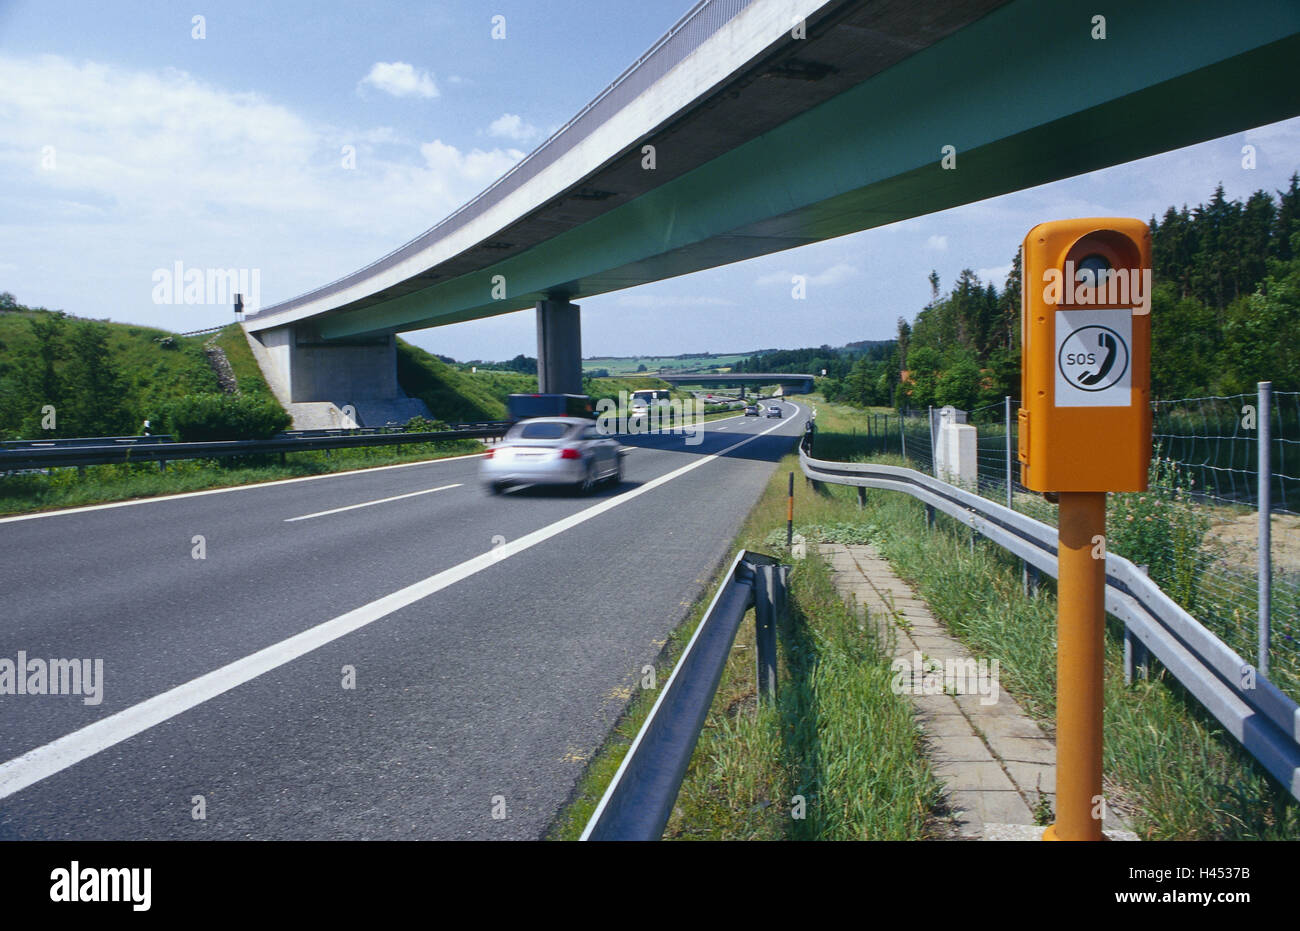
(1025, 95)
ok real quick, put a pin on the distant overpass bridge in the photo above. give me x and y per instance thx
(732, 138)
(790, 383)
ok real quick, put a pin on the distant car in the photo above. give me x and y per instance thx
(553, 451)
(774, 411)
(753, 410)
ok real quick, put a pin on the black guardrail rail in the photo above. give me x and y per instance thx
(45, 457)
(639, 799)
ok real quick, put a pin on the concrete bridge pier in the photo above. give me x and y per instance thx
(559, 347)
(317, 380)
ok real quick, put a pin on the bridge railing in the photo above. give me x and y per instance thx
(690, 32)
(1259, 715)
(639, 800)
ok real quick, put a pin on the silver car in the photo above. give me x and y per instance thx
(553, 451)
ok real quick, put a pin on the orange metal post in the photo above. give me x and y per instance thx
(1081, 593)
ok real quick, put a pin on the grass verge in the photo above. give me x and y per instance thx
(1172, 769)
(837, 756)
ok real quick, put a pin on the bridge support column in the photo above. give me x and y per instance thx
(357, 375)
(559, 347)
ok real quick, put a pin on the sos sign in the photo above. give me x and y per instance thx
(1085, 421)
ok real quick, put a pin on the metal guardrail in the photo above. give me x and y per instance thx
(65, 441)
(45, 457)
(638, 801)
(1250, 707)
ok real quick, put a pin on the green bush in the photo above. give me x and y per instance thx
(198, 418)
(1162, 529)
(419, 424)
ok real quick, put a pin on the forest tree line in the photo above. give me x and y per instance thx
(1225, 311)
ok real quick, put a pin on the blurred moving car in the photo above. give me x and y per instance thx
(553, 451)
(774, 411)
(752, 410)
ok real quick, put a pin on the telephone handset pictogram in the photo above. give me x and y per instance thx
(1107, 342)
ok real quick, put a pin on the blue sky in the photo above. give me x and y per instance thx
(128, 145)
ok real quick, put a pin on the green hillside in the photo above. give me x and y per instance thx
(455, 395)
(102, 378)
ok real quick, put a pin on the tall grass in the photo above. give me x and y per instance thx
(1171, 767)
(837, 736)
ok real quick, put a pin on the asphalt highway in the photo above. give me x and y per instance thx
(490, 643)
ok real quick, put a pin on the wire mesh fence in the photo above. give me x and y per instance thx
(1197, 528)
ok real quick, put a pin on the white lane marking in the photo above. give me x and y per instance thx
(221, 491)
(366, 504)
(70, 749)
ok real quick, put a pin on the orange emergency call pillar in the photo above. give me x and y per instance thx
(1085, 430)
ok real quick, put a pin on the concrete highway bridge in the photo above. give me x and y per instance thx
(790, 384)
(755, 126)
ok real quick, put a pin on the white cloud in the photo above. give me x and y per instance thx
(400, 79)
(155, 166)
(834, 275)
(646, 301)
(937, 243)
(996, 275)
(512, 126)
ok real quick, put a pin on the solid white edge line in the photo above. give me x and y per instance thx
(366, 504)
(645, 726)
(681, 661)
(66, 751)
(219, 491)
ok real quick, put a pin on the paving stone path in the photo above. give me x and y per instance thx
(997, 765)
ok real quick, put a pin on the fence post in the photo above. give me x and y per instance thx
(789, 515)
(934, 459)
(1264, 425)
(1007, 417)
(901, 433)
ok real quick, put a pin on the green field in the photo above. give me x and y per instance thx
(629, 365)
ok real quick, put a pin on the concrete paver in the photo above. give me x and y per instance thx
(996, 763)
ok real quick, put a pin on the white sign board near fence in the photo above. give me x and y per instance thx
(1094, 358)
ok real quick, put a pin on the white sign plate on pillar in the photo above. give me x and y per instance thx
(1094, 358)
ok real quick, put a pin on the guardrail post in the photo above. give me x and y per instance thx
(1136, 657)
(929, 517)
(1264, 423)
(769, 605)
(1029, 579)
(862, 497)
